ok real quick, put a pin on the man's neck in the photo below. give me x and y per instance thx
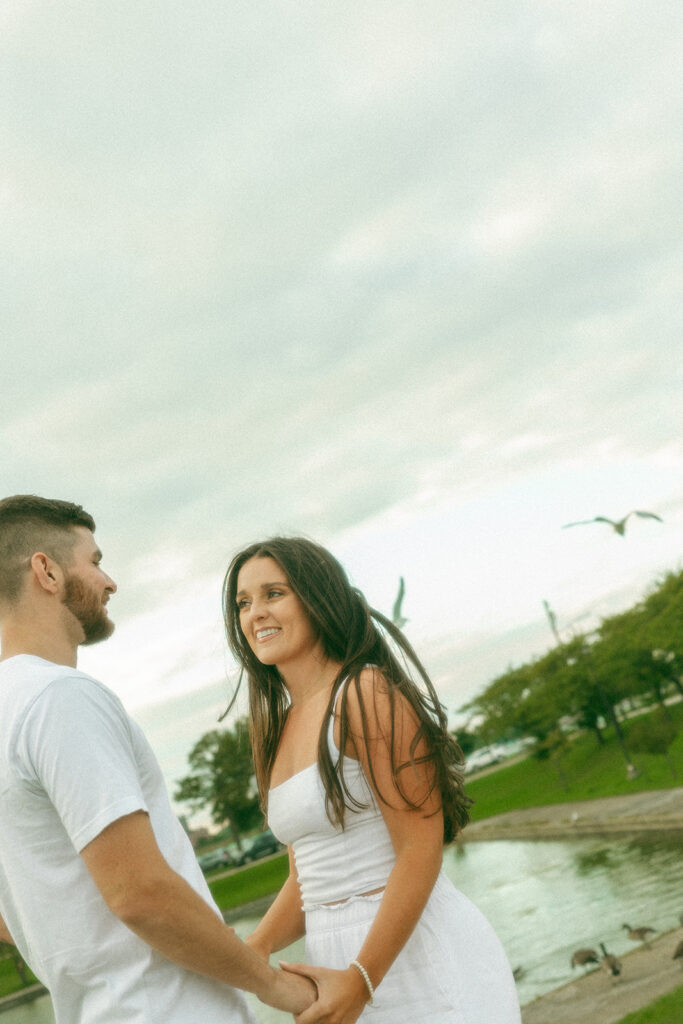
(53, 648)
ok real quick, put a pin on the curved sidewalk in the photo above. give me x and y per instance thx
(596, 998)
(658, 810)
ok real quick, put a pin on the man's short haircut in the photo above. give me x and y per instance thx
(29, 524)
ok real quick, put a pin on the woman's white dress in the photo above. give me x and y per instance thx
(452, 970)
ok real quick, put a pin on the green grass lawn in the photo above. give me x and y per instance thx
(250, 883)
(666, 1010)
(9, 979)
(587, 771)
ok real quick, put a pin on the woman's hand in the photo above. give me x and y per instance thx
(342, 995)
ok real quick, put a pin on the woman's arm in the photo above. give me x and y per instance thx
(417, 837)
(284, 922)
(4, 933)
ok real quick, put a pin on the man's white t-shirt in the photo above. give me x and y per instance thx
(72, 762)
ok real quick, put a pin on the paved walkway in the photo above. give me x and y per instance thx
(659, 810)
(596, 998)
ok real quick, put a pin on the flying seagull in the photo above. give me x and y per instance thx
(396, 616)
(618, 525)
(552, 619)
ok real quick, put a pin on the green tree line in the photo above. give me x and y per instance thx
(634, 660)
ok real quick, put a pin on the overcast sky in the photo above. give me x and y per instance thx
(402, 276)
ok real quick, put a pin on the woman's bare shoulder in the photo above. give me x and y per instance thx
(380, 701)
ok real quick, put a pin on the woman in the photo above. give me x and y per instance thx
(358, 775)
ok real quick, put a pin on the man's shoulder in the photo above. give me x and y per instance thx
(25, 680)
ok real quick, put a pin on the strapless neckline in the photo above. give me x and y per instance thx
(348, 761)
(296, 775)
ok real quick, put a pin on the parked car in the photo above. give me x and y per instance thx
(215, 859)
(264, 844)
(483, 758)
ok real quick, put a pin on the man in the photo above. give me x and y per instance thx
(99, 886)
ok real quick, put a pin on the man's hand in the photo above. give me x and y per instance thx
(342, 995)
(291, 993)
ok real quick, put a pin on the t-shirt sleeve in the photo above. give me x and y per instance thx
(76, 746)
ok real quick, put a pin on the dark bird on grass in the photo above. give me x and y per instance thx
(639, 934)
(396, 616)
(678, 952)
(584, 957)
(618, 525)
(519, 972)
(609, 963)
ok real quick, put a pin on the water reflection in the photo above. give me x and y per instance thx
(592, 860)
(545, 899)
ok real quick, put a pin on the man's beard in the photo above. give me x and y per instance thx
(89, 610)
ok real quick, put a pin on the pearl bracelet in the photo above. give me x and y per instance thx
(366, 978)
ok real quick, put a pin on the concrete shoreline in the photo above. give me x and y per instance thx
(23, 995)
(655, 811)
(597, 998)
(647, 974)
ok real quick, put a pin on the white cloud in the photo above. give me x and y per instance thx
(389, 276)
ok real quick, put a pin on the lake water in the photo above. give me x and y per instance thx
(544, 898)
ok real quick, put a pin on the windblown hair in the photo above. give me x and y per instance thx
(29, 524)
(356, 636)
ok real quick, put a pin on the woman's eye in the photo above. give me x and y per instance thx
(274, 593)
(241, 605)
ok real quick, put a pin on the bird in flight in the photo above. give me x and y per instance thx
(618, 525)
(552, 619)
(396, 616)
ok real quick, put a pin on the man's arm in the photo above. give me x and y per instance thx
(161, 908)
(4, 933)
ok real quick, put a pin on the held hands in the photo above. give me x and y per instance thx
(342, 995)
(292, 993)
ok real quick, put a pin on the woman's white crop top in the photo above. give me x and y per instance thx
(333, 864)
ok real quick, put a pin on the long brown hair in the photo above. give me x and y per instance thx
(355, 636)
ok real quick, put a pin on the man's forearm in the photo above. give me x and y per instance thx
(143, 891)
(170, 916)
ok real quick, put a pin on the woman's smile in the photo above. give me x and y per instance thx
(266, 634)
(270, 610)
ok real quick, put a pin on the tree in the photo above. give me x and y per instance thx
(586, 680)
(222, 779)
(466, 740)
(654, 734)
(555, 746)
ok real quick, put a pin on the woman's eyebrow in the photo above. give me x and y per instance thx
(265, 586)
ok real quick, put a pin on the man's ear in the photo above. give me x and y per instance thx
(46, 571)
